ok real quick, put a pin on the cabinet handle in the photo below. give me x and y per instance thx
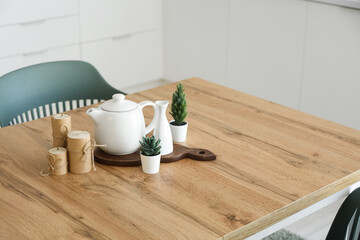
(122, 36)
(33, 22)
(34, 53)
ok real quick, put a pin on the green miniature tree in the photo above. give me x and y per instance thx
(178, 106)
(149, 146)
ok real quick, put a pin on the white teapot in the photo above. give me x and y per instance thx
(119, 123)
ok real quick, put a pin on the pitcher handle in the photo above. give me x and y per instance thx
(151, 126)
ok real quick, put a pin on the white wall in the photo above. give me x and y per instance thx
(266, 40)
(331, 75)
(301, 54)
(195, 39)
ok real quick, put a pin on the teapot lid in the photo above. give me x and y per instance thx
(118, 103)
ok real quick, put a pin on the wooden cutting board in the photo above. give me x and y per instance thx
(133, 159)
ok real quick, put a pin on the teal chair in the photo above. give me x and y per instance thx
(346, 224)
(47, 88)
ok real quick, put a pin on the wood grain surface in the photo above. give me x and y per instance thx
(133, 159)
(272, 161)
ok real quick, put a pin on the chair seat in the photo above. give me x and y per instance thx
(346, 224)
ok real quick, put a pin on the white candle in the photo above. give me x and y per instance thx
(61, 116)
(58, 159)
(61, 125)
(79, 134)
(57, 150)
(79, 146)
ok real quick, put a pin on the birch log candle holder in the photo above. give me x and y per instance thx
(61, 125)
(81, 152)
(58, 163)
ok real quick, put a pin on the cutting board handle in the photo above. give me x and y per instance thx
(181, 152)
(200, 154)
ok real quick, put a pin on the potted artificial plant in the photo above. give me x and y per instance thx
(150, 155)
(179, 126)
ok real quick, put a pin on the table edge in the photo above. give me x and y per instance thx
(294, 207)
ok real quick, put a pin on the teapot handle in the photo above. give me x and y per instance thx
(151, 126)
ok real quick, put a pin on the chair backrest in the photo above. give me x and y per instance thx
(24, 90)
(346, 225)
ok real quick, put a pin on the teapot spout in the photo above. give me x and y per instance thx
(94, 114)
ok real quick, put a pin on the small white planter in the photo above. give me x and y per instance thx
(150, 164)
(178, 132)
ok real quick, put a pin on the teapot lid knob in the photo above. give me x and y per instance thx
(118, 103)
(118, 97)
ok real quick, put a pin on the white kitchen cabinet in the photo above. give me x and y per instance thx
(265, 52)
(111, 18)
(38, 36)
(127, 61)
(331, 82)
(122, 38)
(195, 39)
(12, 63)
(23, 11)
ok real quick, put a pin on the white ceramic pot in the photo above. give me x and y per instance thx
(178, 132)
(150, 164)
(119, 124)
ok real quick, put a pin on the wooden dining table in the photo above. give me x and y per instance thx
(272, 162)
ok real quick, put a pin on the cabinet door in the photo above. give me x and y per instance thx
(266, 43)
(27, 38)
(12, 63)
(22, 11)
(127, 61)
(331, 83)
(110, 18)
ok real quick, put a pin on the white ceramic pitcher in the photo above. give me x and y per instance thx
(162, 128)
